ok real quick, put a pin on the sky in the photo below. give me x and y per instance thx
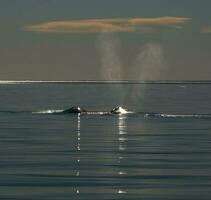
(105, 40)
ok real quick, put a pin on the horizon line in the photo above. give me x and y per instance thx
(104, 81)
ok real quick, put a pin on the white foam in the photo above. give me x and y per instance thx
(175, 116)
(120, 110)
(47, 111)
(97, 113)
(122, 173)
(121, 192)
(163, 115)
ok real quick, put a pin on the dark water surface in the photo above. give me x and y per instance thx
(138, 156)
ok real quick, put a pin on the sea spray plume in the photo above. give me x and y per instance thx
(149, 65)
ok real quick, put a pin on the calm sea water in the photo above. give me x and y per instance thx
(162, 153)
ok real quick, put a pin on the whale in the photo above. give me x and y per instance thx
(77, 110)
(74, 109)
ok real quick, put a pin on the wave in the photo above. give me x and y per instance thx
(31, 112)
(14, 111)
(163, 115)
(129, 113)
(62, 112)
(47, 112)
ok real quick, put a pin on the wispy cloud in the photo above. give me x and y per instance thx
(207, 29)
(109, 25)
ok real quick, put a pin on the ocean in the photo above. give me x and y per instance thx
(161, 151)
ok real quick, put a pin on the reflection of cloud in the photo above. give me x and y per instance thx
(207, 29)
(108, 25)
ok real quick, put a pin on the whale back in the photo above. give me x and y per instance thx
(74, 109)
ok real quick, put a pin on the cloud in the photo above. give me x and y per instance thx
(175, 22)
(207, 29)
(78, 26)
(108, 25)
